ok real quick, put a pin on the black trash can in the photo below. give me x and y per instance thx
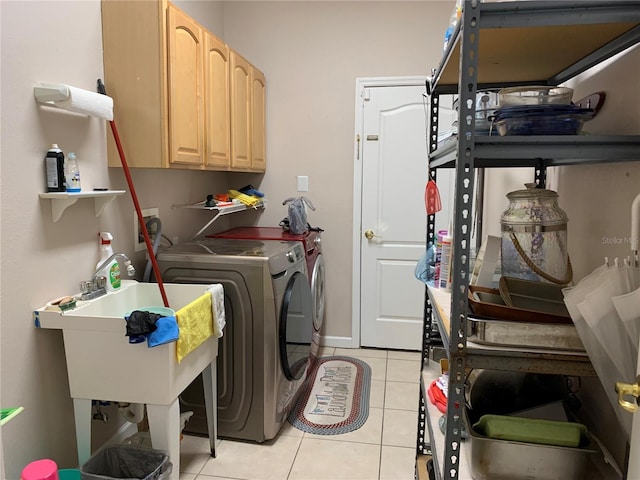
(127, 462)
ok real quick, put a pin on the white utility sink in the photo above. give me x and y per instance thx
(103, 365)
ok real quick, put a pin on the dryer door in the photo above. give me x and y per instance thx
(296, 326)
(317, 289)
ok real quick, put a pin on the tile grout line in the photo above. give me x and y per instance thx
(384, 404)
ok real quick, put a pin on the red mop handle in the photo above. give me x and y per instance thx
(127, 174)
(145, 233)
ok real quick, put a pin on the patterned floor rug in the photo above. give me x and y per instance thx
(335, 398)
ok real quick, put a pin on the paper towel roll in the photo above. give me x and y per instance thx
(89, 103)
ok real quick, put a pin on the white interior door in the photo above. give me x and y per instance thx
(394, 175)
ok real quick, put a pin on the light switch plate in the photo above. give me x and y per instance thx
(303, 183)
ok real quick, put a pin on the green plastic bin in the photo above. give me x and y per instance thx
(69, 474)
(530, 430)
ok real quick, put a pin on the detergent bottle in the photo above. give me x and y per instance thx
(112, 270)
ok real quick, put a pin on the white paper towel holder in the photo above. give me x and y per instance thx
(73, 99)
(49, 93)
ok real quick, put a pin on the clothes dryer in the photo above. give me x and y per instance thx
(312, 242)
(265, 348)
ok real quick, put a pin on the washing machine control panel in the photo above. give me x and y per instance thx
(290, 255)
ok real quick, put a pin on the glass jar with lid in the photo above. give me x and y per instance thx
(534, 237)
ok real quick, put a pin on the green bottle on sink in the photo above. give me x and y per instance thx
(112, 270)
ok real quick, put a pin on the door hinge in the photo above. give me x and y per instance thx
(358, 147)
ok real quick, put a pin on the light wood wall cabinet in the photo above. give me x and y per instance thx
(170, 79)
(185, 41)
(218, 137)
(258, 120)
(247, 115)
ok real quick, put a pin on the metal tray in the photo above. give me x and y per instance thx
(536, 296)
(487, 302)
(505, 333)
(492, 459)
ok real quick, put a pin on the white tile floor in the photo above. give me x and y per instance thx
(382, 449)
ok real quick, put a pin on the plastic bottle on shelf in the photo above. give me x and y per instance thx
(54, 166)
(453, 23)
(112, 270)
(72, 173)
(438, 257)
(445, 263)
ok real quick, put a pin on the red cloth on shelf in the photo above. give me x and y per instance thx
(437, 397)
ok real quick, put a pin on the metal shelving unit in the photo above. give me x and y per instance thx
(497, 45)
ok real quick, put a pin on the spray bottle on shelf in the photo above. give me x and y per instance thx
(112, 270)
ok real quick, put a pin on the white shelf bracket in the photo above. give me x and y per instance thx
(101, 202)
(49, 93)
(59, 205)
(60, 201)
(207, 225)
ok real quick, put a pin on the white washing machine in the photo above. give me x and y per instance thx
(264, 351)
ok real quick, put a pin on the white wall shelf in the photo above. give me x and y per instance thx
(220, 211)
(61, 200)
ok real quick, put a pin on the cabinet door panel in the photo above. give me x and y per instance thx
(258, 121)
(240, 113)
(186, 92)
(218, 143)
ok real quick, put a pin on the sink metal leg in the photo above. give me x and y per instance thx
(82, 414)
(210, 384)
(164, 427)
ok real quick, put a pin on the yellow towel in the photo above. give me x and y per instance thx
(196, 325)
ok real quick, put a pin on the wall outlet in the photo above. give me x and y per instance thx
(138, 237)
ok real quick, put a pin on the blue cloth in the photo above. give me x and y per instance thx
(166, 331)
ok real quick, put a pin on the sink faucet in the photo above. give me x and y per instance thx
(130, 269)
(95, 287)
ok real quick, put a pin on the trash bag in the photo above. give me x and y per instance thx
(127, 462)
(297, 214)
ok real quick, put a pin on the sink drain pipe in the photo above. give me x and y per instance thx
(134, 197)
(132, 412)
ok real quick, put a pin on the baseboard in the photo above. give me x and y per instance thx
(337, 342)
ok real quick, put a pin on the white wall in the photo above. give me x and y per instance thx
(598, 198)
(312, 53)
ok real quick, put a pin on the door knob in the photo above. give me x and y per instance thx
(631, 389)
(370, 235)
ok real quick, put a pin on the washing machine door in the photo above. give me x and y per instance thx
(296, 326)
